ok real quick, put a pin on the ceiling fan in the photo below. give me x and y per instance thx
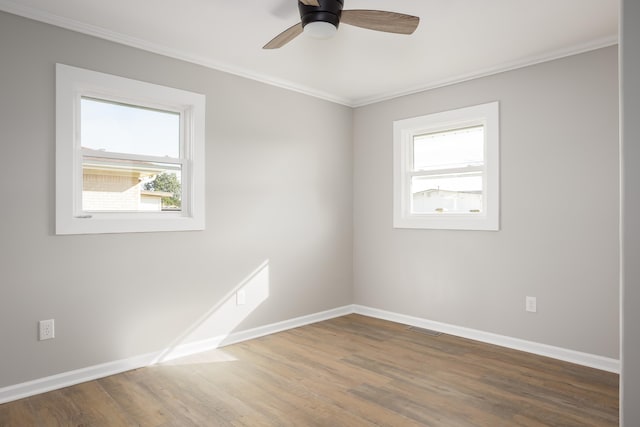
(320, 19)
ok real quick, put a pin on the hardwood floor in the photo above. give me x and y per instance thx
(349, 371)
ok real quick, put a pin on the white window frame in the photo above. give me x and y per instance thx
(404, 132)
(72, 84)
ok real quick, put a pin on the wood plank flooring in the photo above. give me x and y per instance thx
(349, 371)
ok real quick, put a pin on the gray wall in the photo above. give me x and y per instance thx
(630, 97)
(278, 189)
(559, 212)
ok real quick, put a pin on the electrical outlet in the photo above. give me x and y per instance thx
(46, 329)
(241, 297)
(531, 304)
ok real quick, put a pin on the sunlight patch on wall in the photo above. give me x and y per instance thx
(224, 316)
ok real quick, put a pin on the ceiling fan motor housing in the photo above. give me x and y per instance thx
(328, 11)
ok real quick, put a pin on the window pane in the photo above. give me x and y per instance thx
(450, 149)
(130, 186)
(460, 193)
(120, 128)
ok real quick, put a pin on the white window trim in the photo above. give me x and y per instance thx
(73, 83)
(403, 134)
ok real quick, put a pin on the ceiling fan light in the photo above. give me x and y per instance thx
(320, 30)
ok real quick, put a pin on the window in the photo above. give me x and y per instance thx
(446, 170)
(129, 155)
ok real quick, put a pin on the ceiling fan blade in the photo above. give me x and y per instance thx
(284, 37)
(380, 20)
(310, 2)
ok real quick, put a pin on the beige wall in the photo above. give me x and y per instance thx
(110, 191)
(277, 189)
(559, 212)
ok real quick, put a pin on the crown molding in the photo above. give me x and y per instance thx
(103, 33)
(504, 67)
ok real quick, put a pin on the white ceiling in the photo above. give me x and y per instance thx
(456, 39)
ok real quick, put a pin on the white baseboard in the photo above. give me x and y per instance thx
(77, 376)
(585, 359)
(65, 379)
(235, 337)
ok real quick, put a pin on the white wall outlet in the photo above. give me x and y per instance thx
(46, 329)
(531, 304)
(241, 297)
